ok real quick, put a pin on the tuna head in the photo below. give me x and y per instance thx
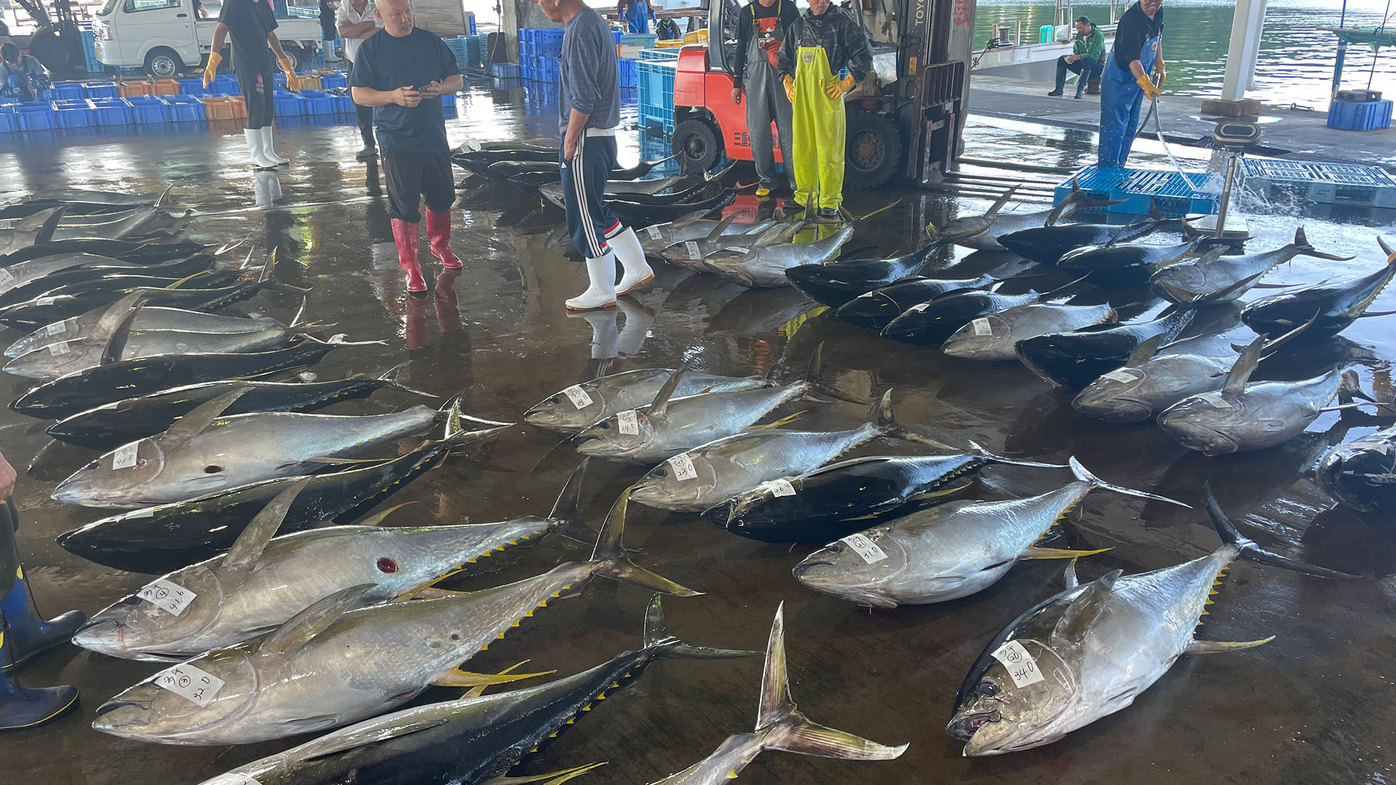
(678, 484)
(167, 708)
(855, 568)
(122, 476)
(1118, 396)
(1217, 423)
(160, 612)
(617, 437)
(987, 336)
(570, 410)
(1014, 699)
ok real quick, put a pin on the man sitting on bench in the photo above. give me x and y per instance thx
(1087, 56)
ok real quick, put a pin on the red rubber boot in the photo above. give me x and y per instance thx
(439, 235)
(408, 244)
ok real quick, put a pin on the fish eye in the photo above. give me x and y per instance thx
(212, 469)
(988, 689)
(132, 600)
(142, 462)
(555, 399)
(605, 425)
(660, 472)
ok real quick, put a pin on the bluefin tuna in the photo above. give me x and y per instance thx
(1223, 279)
(994, 337)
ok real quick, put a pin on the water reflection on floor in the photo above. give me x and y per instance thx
(1315, 706)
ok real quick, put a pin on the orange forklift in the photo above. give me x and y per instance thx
(904, 121)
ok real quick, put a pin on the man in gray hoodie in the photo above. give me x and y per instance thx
(589, 111)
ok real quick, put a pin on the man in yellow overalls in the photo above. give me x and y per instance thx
(817, 47)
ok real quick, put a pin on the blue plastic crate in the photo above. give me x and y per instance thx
(336, 79)
(627, 72)
(100, 90)
(148, 110)
(617, 35)
(655, 94)
(225, 84)
(111, 112)
(193, 86)
(505, 71)
(317, 103)
(343, 103)
(89, 53)
(288, 105)
(659, 54)
(544, 41)
(1138, 188)
(68, 91)
(35, 116)
(638, 39)
(9, 123)
(72, 113)
(183, 108)
(1359, 115)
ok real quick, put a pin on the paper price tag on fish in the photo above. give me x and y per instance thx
(653, 232)
(742, 251)
(168, 596)
(861, 545)
(56, 328)
(1124, 375)
(189, 682)
(1022, 668)
(692, 249)
(683, 467)
(779, 488)
(59, 349)
(42, 301)
(982, 327)
(125, 457)
(5, 277)
(577, 396)
(629, 422)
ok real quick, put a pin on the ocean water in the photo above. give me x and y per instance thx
(1296, 61)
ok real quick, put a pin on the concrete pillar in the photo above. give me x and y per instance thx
(1247, 25)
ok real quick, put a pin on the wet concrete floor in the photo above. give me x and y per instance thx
(1315, 706)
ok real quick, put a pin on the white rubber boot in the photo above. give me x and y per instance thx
(635, 271)
(256, 153)
(601, 293)
(269, 149)
(603, 332)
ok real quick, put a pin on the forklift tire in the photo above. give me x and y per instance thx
(874, 151)
(695, 144)
(163, 63)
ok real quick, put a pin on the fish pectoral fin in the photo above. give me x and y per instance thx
(937, 493)
(778, 423)
(433, 593)
(1034, 552)
(348, 742)
(1219, 647)
(477, 691)
(459, 678)
(1370, 314)
(304, 626)
(1076, 621)
(558, 777)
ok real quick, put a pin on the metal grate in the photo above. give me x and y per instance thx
(1308, 171)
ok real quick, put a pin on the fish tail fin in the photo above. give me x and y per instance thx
(1085, 476)
(389, 377)
(813, 376)
(979, 450)
(1248, 549)
(886, 421)
(566, 515)
(458, 431)
(609, 559)
(1388, 250)
(666, 646)
(1301, 243)
(789, 730)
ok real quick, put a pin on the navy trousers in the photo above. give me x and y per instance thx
(590, 222)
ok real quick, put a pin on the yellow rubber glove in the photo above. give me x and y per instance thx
(211, 70)
(1161, 70)
(292, 83)
(1150, 91)
(789, 82)
(836, 89)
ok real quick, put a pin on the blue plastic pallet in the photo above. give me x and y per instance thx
(1359, 115)
(1138, 188)
(1323, 183)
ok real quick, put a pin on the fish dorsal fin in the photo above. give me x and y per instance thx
(1387, 249)
(721, 227)
(302, 628)
(1060, 208)
(772, 234)
(44, 234)
(32, 223)
(1069, 576)
(660, 405)
(120, 332)
(326, 747)
(253, 541)
(1245, 365)
(1300, 240)
(194, 423)
(1071, 629)
(1144, 351)
(776, 704)
(999, 204)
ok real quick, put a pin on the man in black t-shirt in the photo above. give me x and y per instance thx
(1124, 85)
(402, 72)
(760, 30)
(252, 24)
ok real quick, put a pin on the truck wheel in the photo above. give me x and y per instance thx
(696, 145)
(874, 150)
(163, 63)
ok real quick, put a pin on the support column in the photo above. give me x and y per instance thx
(1247, 25)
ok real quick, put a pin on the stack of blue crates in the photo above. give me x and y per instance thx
(655, 73)
(539, 49)
(1359, 115)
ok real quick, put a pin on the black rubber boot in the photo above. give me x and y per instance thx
(26, 633)
(24, 708)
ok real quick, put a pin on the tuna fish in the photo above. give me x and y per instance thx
(1047, 244)
(329, 666)
(765, 265)
(981, 232)
(875, 309)
(264, 580)
(849, 496)
(1124, 264)
(1361, 474)
(72, 356)
(149, 320)
(1089, 651)
(932, 323)
(1336, 305)
(836, 284)
(779, 726)
(582, 405)
(690, 253)
(950, 551)
(704, 476)
(1223, 279)
(1076, 359)
(208, 451)
(1243, 416)
(994, 337)
(693, 226)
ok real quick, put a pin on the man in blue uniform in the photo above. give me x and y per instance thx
(589, 111)
(1137, 50)
(402, 72)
